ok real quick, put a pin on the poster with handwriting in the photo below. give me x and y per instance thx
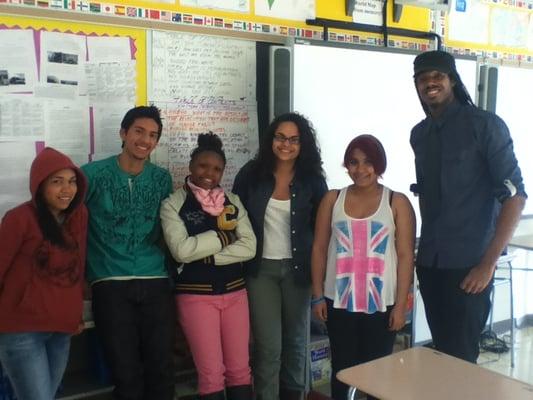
(203, 83)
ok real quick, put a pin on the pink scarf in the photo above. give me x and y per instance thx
(212, 201)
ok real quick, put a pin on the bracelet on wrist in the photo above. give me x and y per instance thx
(317, 300)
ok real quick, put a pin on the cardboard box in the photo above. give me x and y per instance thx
(320, 360)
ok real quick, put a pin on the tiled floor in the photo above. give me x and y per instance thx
(501, 363)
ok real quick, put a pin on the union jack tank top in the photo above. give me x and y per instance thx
(362, 259)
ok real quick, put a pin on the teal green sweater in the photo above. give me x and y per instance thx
(124, 225)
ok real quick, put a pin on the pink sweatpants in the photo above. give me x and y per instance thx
(217, 329)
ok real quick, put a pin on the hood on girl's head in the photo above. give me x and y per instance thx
(49, 161)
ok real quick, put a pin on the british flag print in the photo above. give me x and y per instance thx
(361, 247)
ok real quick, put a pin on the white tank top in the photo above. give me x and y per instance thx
(276, 230)
(362, 259)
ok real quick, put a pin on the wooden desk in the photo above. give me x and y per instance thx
(522, 242)
(422, 374)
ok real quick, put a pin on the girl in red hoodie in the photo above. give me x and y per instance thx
(42, 260)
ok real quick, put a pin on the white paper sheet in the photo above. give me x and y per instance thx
(15, 163)
(368, 12)
(202, 69)
(111, 82)
(107, 120)
(63, 57)
(18, 65)
(298, 10)
(21, 118)
(108, 49)
(470, 25)
(67, 126)
(509, 28)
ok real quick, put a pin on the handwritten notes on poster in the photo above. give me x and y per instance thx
(201, 84)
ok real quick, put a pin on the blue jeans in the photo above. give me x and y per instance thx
(34, 362)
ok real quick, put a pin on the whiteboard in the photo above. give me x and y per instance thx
(515, 109)
(347, 92)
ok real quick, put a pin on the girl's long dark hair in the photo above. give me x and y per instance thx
(51, 229)
(308, 162)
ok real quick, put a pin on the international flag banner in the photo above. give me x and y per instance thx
(56, 3)
(292, 32)
(120, 10)
(198, 21)
(283, 30)
(131, 11)
(108, 8)
(82, 5)
(28, 3)
(154, 14)
(70, 4)
(166, 16)
(265, 28)
(308, 33)
(16, 1)
(391, 43)
(257, 27)
(340, 38)
(187, 18)
(42, 3)
(141, 12)
(208, 21)
(3, 1)
(332, 36)
(317, 35)
(176, 17)
(237, 25)
(219, 22)
(228, 24)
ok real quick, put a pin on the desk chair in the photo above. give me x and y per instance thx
(504, 263)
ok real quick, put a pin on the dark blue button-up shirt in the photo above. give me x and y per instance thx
(478, 172)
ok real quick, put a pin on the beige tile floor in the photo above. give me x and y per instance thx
(501, 363)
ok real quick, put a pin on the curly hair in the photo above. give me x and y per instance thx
(308, 161)
(209, 142)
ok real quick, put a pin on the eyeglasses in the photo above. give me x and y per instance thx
(278, 137)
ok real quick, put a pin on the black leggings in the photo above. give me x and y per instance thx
(356, 338)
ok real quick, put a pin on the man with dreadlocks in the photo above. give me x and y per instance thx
(471, 197)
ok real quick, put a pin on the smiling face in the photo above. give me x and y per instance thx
(140, 138)
(206, 169)
(361, 170)
(286, 142)
(59, 189)
(435, 89)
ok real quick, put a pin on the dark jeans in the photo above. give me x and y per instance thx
(356, 338)
(135, 321)
(456, 319)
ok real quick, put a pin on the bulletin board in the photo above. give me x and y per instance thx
(65, 88)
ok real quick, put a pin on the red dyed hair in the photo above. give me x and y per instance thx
(372, 148)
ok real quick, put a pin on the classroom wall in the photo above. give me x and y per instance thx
(514, 44)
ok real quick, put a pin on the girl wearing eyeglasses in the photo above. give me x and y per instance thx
(281, 188)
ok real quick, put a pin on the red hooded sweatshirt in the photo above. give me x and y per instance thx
(41, 284)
